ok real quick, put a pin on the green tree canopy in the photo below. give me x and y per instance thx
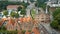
(5, 13)
(56, 15)
(19, 8)
(12, 14)
(16, 15)
(58, 18)
(23, 31)
(41, 3)
(3, 28)
(54, 24)
(56, 12)
(4, 4)
(23, 12)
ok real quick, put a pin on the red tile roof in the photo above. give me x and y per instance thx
(21, 20)
(35, 30)
(12, 6)
(11, 21)
(29, 19)
(25, 19)
(1, 22)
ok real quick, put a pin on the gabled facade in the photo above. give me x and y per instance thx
(12, 25)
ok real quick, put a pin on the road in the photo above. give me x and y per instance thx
(49, 29)
(42, 29)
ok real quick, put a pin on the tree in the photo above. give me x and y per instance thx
(19, 8)
(58, 18)
(3, 5)
(59, 27)
(43, 6)
(56, 12)
(54, 24)
(56, 15)
(3, 28)
(23, 31)
(5, 13)
(12, 14)
(41, 3)
(25, 4)
(23, 12)
(16, 15)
